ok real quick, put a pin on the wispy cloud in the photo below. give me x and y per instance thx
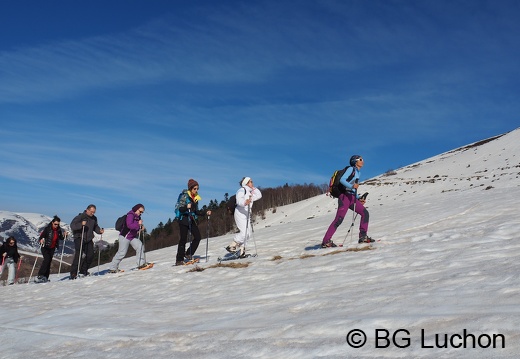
(272, 90)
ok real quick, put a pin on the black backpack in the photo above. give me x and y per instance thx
(121, 225)
(232, 203)
(335, 186)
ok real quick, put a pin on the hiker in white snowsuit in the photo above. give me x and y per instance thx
(245, 195)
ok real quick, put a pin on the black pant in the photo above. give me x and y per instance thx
(184, 227)
(87, 255)
(45, 269)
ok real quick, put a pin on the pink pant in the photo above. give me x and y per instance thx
(346, 201)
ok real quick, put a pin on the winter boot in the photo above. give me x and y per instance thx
(328, 244)
(232, 248)
(365, 239)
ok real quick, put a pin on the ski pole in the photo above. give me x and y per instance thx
(80, 250)
(61, 258)
(207, 238)
(34, 265)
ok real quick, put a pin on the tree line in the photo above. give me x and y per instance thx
(221, 222)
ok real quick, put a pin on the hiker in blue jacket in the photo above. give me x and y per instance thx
(349, 199)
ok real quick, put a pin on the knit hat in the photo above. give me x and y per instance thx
(136, 207)
(192, 183)
(245, 181)
(354, 159)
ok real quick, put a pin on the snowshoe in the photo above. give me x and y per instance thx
(329, 244)
(145, 266)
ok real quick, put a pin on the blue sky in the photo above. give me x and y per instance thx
(121, 102)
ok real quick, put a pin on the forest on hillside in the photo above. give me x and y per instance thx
(221, 222)
(167, 234)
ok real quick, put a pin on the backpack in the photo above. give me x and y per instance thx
(231, 204)
(182, 201)
(335, 186)
(121, 225)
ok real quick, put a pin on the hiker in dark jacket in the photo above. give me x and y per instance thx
(49, 241)
(83, 226)
(10, 256)
(186, 211)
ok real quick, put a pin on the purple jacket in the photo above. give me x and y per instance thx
(132, 223)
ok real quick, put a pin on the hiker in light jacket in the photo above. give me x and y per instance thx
(349, 199)
(245, 195)
(129, 236)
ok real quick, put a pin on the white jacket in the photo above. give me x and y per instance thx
(241, 212)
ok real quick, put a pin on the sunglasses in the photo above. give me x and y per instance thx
(11, 243)
(55, 224)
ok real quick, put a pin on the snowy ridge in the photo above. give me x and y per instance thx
(446, 265)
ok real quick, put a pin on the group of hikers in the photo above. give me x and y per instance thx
(85, 225)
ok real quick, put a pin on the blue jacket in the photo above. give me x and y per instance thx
(181, 208)
(348, 185)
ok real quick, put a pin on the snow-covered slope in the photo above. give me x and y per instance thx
(444, 278)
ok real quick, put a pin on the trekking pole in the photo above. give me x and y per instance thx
(61, 258)
(207, 239)
(247, 226)
(190, 235)
(354, 216)
(3, 264)
(80, 250)
(34, 265)
(18, 269)
(254, 240)
(99, 253)
(142, 254)
(351, 225)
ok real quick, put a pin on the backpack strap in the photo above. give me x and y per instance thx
(352, 174)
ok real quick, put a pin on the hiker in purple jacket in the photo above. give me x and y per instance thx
(129, 236)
